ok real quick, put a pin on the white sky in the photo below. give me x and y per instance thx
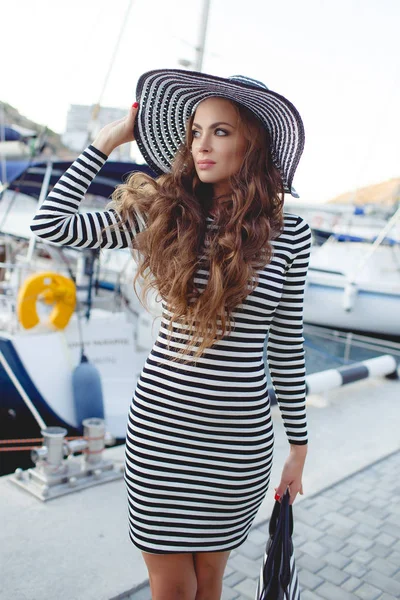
(338, 61)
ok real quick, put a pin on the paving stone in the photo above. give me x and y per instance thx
(246, 566)
(341, 532)
(382, 514)
(229, 594)
(309, 504)
(324, 507)
(355, 568)
(349, 550)
(367, 482)
(314, 549)
(385, 567)
(234, 578)
(387, 540)
(368, 592)
(382, 582)
(330, 493)
(363, 504)
(311, 563)
(346, 510)
(332, 542)
(341, 520)
(298, 553)
(387, 597)
(252, 551)
(361, 541)
(351, 584)
(379, 493)
(308, 532)
(142, 594)
(367, 530)
(305, 515)
(309, 580)
(247, 588)
(394, 509)
(308, 595)
(391, 529)
(228, 570)
(364, 518)
(380, 550)
(332, 592)
(337, 559)
(333, 575)
(324, 525)
(363, 556)
(259, 536)
(378, 502)
(299, 540)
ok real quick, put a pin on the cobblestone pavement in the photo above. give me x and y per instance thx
(346, 539)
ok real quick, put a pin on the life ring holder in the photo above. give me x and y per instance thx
(52, 288)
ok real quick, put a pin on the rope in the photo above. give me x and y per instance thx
(22, 392)
(26, 440)
(30, 440)
(26, 448)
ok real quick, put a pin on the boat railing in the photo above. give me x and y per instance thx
(350, 340)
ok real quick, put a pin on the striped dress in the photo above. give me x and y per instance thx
(200, 438)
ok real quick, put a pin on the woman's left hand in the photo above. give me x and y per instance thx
(292, 473)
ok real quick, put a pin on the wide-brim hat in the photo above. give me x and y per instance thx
(168, 97)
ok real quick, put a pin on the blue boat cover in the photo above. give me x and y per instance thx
(11, 135)
(27, 177)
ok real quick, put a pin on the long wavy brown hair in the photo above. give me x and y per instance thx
(176, 241)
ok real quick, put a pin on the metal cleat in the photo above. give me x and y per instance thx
(56, 476)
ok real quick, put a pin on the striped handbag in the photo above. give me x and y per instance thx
(278, 576)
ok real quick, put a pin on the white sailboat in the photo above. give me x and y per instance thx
(356, 286)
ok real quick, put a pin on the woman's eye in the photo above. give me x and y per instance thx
(221, 132)
(195, 133)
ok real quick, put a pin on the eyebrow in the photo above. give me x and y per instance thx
(213, 125)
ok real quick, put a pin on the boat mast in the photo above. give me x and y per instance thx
(198, 65)
(92, 125)
(3, 176)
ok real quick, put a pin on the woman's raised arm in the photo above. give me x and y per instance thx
(58, 220)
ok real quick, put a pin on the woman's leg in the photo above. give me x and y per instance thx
(210, 567)
(172, 576)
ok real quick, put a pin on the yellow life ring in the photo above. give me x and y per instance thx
(53, 289)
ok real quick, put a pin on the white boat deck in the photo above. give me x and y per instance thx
(77, 547)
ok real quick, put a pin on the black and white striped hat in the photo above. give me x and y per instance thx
(168, 97)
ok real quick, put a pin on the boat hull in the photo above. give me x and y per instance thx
(371, 311)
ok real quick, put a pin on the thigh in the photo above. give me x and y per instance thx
(172, 576)
(210, 567)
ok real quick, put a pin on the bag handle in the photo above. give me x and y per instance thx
(275, 532)
(286, 535)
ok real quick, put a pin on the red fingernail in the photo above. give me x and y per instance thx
(277, 497)
(135, 105)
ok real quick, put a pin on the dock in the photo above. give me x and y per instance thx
(347, 526)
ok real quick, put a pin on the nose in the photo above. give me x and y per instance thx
(204, 143)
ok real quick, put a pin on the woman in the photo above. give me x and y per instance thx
(230, 267)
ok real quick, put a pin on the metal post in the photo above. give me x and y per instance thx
(43, 194)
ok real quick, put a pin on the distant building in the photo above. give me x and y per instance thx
(83, 125)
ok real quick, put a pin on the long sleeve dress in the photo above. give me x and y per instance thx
(199, 442)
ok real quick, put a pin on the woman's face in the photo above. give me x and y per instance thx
(218, 145)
